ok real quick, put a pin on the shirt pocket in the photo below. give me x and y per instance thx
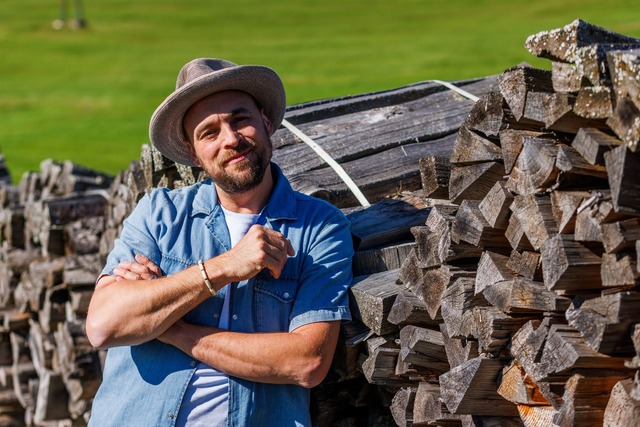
(273, 301)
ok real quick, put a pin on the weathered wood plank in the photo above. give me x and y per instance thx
(373, 297)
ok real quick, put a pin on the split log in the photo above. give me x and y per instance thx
(561, 44)
(593, 143)
(381, 259)
(51, 401)
(620, 270)
(388, 221)
(435, 247)
(423, 347)
(621, 235)
(570, 162)
(435, 172)
(495, 206)
(516, 236)
(622, 166)
(408, 309)
(535, 216)
(535, 169)
(373, 297)
(429, 284)
(473, 182)
(521, 295)
(471, 147)
(570, 266)
(492, 268)
(517, 387)
(559, 114)
(458, 298)
(512, 141)
(622, 409)
(491, 327)
(380, 365)
(585, 400)
(471, 388)
(566, 77)
(534, 416)
(402, 406)
(459, 350)
(625, 122)
(605, 322)
(624, 66)
(429, 409)
(566, 351)
(564, 206)
(594, 102)
(470, 226)
(526, 264)
(523, 88)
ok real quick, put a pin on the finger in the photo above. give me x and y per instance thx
(138, 269)
(126, 274)
(151, 266)
(290, 250)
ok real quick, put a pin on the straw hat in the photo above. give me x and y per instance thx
(203, 77)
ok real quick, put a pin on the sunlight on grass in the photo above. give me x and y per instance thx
(87, 95)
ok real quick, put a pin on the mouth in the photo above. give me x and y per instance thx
(238, 158)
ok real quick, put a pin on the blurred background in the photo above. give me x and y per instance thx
(79, 79)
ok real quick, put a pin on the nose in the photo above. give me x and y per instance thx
(229, 135)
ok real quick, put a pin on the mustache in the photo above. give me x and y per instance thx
(242, 146)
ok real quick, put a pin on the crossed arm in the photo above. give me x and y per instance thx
(125, 310)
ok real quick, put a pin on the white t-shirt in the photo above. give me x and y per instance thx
(205, 402)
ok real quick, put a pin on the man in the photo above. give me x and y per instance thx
(248, 279)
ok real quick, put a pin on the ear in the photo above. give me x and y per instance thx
(192, 152)
(267, 123)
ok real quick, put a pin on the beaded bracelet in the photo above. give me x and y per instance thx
(206, 278)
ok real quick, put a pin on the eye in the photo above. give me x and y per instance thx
(240, 121)
(209, 134)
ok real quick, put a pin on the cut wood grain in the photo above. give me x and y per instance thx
(569, 265)
(622, 409)
(622, 166)
(471, 388)
(593, 143)
(606, 322)
(373, 296)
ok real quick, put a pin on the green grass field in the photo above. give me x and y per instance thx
(87, 95)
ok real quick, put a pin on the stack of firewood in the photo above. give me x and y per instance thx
(50, 224)
(519, 303)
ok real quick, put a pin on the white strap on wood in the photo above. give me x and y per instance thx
(336, 167)
(458, 90)
(332, 163)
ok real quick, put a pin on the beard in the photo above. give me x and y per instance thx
(245, 175)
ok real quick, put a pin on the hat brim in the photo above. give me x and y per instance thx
(262, 83)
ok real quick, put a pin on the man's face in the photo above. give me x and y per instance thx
(230, 137)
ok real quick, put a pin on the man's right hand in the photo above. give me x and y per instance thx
(260, 248)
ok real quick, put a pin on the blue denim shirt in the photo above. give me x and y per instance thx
(143, 385)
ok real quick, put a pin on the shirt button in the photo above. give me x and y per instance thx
(170, 416)
(216, 315)
(235, 317)
(193, 363)
(286, 295)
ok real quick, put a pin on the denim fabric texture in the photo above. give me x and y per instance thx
(143, 385)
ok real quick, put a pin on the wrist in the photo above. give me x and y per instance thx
(205, 278)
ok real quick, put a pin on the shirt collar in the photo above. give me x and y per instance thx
(281, 204)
